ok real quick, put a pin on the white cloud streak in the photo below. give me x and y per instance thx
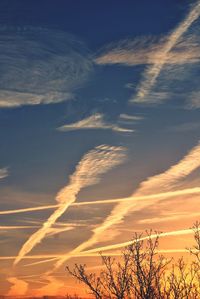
(3, 172)
(11, 227)
(131, 118)
(194, 100)
(148, 50)
(87, 173)
(97, 250)
(95, 121)
(55, 231)
(160, 196)
(164, 181)
(152, 72)
(40, 66)
(153, 236)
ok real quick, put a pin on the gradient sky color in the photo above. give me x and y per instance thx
(100, 122)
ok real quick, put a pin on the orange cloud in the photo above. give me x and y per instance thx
(53, 287)
(19, 287)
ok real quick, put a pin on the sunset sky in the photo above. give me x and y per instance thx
(100, 130)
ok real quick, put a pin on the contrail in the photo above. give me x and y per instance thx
(25, 210)
(28, 257)
(97, 254)
(11, 227)
(153, 236)
(46, 256)
(152, 72)
(87, 173)
(162, 195)
(174, 216)
(93, 252)
(165, 181)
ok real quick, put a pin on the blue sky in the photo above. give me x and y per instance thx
(99, 100)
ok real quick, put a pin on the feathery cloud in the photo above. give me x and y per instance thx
(40, 66)
(167, 58)
(95, 121)
(131, 118)
(3, 172)
(148, 50)
(55, 231)
(164, 181)
(194, 100)
(87, 173)
(168, 180)
(152, 72)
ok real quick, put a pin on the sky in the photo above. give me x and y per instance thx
(100, 122)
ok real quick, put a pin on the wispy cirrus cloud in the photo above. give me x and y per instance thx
(148, 50)
(88, 172)
(153, 236)
(169, 179)
(95, 121)
(152, 72)
(169, 59)
(194, 100)
(40, 66)
(4, 172)
(57, 228)
(169, 217)
(55, 231)
(165, 181)
(130, 118)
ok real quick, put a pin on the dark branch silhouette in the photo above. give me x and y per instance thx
(142, 273)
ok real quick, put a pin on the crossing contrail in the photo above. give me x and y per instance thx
(162, 195)
(153, 236)
(164, 181)
(97, 250)
(152, 72)
(87, 173)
